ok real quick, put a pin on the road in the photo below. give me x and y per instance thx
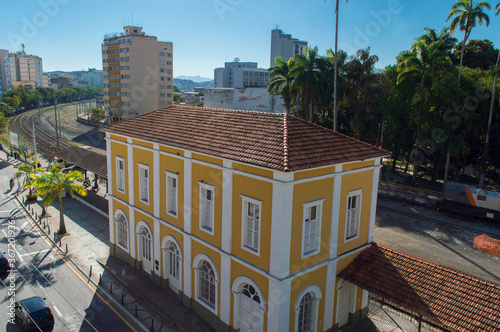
(40, 271)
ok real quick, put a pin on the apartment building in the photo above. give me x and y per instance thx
(285, 46)
(5, 83)
(247, 216)
(238, 74)
(26, 69)
(137, 73)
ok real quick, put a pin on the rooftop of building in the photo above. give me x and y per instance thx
(444, 296)
(276, 141)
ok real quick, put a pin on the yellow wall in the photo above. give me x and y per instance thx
(357, 165)
(314, 172)
(350, 182)
(211, 176)
(211, 160)
(253, 170)
(142, 143)
(144, 157)
(173, 165)
(118, 138)
(119, 150)
(304, 193)
(238, 270)
(198, 248)
(262, 191)
(168, 149)
(316, 277)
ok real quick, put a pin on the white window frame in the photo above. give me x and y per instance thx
(244, 220)
(142, 183)
(353, 193)
(205, 186)
(176, 193)
(198, 260)
(317, 298)
(319, 215)
(118, 160)
(119, 213)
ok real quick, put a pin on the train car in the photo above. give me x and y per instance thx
(472, 201)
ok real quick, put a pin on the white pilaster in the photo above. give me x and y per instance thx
(156, 180)
(331, 272)
(227, 205)
(157, 246)
(187, 265)
(281, 231)
(364, 299)
(225, 288)
(131, 230)
(373, 205)
(188, 166)
(111, 216)
(354, 293)
(109, 157)
(334, 230)
(278, 311)
(130, 168)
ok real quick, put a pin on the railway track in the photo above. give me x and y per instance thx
(23, 125)
(440, 222)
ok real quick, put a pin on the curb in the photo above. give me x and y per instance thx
(97, 286)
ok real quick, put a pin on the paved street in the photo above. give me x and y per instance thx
(41, 271)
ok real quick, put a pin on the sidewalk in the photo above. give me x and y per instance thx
(155, 308)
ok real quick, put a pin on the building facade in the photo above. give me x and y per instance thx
(238, 74)
(137, 73)
(5, 83)
(26, 69)
(285, 46)
(247, 216)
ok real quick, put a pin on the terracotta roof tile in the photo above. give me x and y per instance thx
(449, 298)
(277, 141)
(86, 159)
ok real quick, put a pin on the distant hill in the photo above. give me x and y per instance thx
(190, 85)
(197, 79)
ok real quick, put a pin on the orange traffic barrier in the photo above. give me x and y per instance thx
(487, 244)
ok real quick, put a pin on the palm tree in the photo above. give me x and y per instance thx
(484, 157)
(467, 14)
(282, 80)
(307, 75)
(27, 169)
(50, 184)
(422, 62)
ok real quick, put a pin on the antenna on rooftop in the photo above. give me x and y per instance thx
(132, 17)
(22, 45)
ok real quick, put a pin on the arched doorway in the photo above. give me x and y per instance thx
(172, 262)
(145, 248)
(344, 296)
(249, 305)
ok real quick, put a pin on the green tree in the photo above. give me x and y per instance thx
(477, 54)
(467, 14)
(307, 76)
(282, 79)
(97, 114)
(51, 184)
(27, 169)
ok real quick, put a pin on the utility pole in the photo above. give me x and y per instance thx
(55, 119)
(34, 140)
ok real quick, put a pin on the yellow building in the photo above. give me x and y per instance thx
(248, 216)
(137, 73)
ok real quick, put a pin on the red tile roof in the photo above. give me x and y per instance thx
(449, 298)
(277, 141)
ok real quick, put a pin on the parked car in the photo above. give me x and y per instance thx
(4, 264)
(34, 314)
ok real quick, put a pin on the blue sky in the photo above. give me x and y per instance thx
(68, 34)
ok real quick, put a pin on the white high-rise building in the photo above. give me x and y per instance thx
(26, 69)
(238, 74)
(284, 45)
(5, 84)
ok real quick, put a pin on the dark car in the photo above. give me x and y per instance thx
(34, 314)
(4, 264)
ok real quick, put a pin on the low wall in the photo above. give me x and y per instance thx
(89, 122)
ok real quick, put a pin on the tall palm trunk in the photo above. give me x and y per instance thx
(415, 161)
(62, 225)
(335, 109)
(484, 157)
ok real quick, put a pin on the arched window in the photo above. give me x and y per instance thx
(121, 230)
(306, 313)
(206, 284)
(250, 292)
